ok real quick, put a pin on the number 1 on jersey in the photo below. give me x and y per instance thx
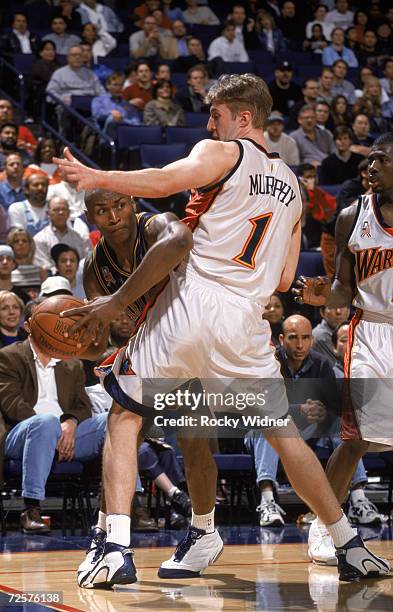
(254, 240)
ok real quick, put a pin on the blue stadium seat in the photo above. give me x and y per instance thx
(196, 119)
(188, 135)
(299, 58)
(261, 58)
(23, 62)
(116, 63)
(132, 136)
(310, 264)
(82, 103)
(156, 156)
(237, 67)
(206, 33)
(334, 190)
(179, 79)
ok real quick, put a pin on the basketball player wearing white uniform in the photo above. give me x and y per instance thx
(207, 322)
(364, 277)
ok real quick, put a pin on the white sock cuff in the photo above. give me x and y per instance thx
(101, 523)
(203, 521)
(118, 527)
(341, 531)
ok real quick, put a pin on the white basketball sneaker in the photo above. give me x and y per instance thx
(355, 561)
(193, 554)
(93, 554)
(321, 549)
(114, 566)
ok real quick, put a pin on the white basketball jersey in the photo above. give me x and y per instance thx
(243, 224)
(372, 245)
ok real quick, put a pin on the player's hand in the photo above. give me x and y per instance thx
(93, 317)
(72, 171)
(314, 411)
(313, 291)
(66, 443)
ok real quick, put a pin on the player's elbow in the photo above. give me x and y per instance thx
(182, 240)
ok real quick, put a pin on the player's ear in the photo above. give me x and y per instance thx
(26, 325)
(281, 339)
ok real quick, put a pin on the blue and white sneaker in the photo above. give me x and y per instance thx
(115, 565)
(193, 554)
(355, 562)
(93, 554)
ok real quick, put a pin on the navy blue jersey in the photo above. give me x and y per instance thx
(109, 273)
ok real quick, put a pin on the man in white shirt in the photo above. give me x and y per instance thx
(58, 231)
(31, 214)
(227, 46)
(48, 416)
(279, 142)
(341, 17)
(19, 40)
(101, 15)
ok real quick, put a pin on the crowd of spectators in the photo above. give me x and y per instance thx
(329, 67)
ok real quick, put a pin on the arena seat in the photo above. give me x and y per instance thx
(158, 155)
(196, 119)
(65, 480)
(82, 103)
(310, 264)
(132, 136)
(188, 135)
(23, 62)
(238, 67)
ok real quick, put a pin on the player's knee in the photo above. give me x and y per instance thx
(355, 449)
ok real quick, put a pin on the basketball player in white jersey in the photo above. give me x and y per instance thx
(207, 323)
(364, 278)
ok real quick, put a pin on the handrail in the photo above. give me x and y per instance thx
(21, 84)
(111, 143)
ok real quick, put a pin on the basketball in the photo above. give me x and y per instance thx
(47, 327)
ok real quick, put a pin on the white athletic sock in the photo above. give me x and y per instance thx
(118, 528)
(101, 523)
(357, 495)
(267, 496)
(341, 531)
(172, 491)
(203, 521)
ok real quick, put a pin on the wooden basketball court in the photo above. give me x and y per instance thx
(246, 577)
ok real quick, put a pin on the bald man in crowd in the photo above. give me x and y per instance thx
(312, 405)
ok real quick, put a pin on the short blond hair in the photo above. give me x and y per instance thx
(5, 294)
(240, 92)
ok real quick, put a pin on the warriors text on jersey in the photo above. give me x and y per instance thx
(371, 242)
(243, 224)
(109, 273)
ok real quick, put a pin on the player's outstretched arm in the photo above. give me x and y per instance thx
(320, 291)
(208, 162)
(344, 284)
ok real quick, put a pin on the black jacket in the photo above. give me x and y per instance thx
(10, 45)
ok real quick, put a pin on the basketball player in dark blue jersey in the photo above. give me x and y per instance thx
(127, 240)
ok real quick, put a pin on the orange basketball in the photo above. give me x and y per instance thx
(47, 327)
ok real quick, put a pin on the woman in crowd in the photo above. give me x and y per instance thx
(41, 71)
(370, 104)
(317, 41)
(270, 37)
(27, 274)
(274, 313)
(11, 312)
(162, 110)
(360, 20)
(44, 153)
(340, 111)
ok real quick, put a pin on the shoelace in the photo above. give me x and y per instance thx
(270, 507)
(189, 540)
(365, 505)
(99, 541)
